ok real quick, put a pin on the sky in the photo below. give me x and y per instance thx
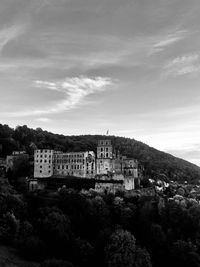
(86, 66)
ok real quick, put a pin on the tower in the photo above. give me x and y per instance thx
(104, 157)
(104, 149)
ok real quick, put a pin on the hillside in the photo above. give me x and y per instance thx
(157, 163)
(9, 258)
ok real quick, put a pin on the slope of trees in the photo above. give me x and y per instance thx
(89, 229)
(157, 163)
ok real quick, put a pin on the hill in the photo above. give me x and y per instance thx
(9, 258)
(156, 163)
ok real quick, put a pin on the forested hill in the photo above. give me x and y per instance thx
(157, 163)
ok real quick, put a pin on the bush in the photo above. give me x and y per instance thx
(55, 263)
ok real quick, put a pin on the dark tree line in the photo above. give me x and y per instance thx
(71, 228)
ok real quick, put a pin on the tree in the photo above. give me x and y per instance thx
(54, 228)
(142, 258)
(121, 250)
(84, 253)
(55, 263)
(9, 226)
(185, 254)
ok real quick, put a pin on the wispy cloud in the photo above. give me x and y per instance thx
(168, 40)
(10, 33)
(74, 91)
(183, 65)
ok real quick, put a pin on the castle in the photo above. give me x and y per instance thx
(107, 167)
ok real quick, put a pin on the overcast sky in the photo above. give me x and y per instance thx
(86, 66)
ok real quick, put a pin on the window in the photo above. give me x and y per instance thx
(41, 160)
(106, 155)
(45, 160)
(40, 166)
(40, 171)
(49, 161)
(49, 167)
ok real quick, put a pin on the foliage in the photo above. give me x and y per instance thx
(121, 250)
(56, 263)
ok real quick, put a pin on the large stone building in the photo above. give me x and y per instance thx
(50, 162)
(108, 168)
(79, 164)
(43, 163)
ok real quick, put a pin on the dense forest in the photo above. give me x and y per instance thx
(77, 229)
(156, 163)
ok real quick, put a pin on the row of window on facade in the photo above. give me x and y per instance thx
(104, 149)
(69, 155)
(72, 172)
(69, 161)
(75, 167)
(45, 161)
(45, 156)
(102, 155)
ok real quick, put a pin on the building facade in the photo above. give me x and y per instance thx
(49, 162)
(106, 165)
(43, 163)
(130, 167)
(105, 157)
(79, 164)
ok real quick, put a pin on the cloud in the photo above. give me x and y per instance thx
(74, 91)
(43, 119)
(186, 64)
(191, 153)
(167, 40)
(10, 33)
